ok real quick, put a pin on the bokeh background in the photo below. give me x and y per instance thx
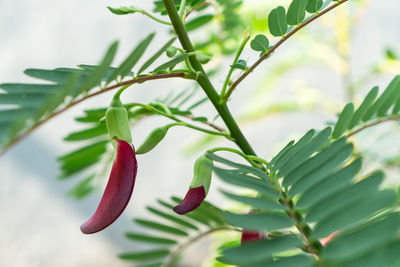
(302, 86)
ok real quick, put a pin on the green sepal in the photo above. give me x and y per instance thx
(202, 173)
(117, 122)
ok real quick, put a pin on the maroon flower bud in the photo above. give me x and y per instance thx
(194, 197)
(199, 187)
(118, 190)
(251, 236)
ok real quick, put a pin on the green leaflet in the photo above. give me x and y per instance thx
(343, 121)
(362, 239)
(172, 218)
(260, 43)
(161, 227)
(81, 154)
(381, 104)
(293, 150)
(393, 94)
(98, 130)
(125, 68)
(241, 167)
(198, 22)
(280, 154)
(149, 239)
(243, 180)
(259, 221)
(302, 260)
(387, 255)
(156, 55)
(277, 21)
(346, 197)
(256, 202)
(22, 88)
(314, 6)
(57, 76)
(354, 213)
(296, 12)
(83, 188)
(330, 185)
(365, 105)
(171, 63)
(144, 255)
(319, 172)
(314, 162)
(316, 143)
(259, 252)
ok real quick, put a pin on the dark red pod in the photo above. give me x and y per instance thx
(118, 190)
(194, 197)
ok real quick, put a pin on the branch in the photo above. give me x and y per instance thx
(286, 37)
(212, 125)
(392, 118)
(129, 82)
(181, 247)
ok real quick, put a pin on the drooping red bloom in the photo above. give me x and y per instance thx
(194, 197)
(251, 236)
(118, 190)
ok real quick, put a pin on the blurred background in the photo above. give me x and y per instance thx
(310, 78)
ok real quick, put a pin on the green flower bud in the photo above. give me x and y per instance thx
(202, 57)
(117, 122)
(202, 173)
(171, 51)
(153, 139)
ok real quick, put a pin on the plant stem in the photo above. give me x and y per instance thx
(232, 150)
(182, 9)
(228, 77)
(180, 122)
(392, 118)
(181, 247)
(204, 82)
(154, 18)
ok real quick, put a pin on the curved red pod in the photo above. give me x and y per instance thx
(118, 190)
(194, 197)
(251, 236)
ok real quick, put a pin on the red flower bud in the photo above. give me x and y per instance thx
(199, 187)
(192, 200)
(118, 190)
(251, 236)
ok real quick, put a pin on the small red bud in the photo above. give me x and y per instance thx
(194, 197)
(251, 236)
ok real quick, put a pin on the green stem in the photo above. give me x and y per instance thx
(246, 157)
(205, 83)
(154, 18)
(182, 8)
(180, 122)
(228, 77)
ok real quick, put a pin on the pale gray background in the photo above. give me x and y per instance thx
(39, 226)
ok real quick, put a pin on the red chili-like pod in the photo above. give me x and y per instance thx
(192, 200)
(118, 190)
(251, 236)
